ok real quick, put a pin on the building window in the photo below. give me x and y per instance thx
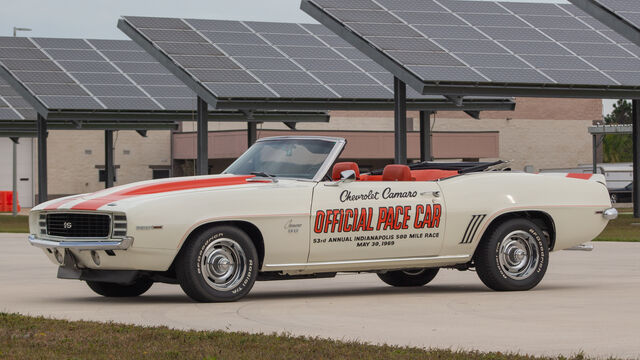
(160, 173)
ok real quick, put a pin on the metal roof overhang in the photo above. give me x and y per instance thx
(478, 104)
(467, 88)
(218, 115)
(27, 126)
(468, 104)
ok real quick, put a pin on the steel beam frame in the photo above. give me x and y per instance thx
(252, 133)
(109, 168)
(202, 162)
(477, 104)
(224, 115)
(636, 159)
(14, 182)
(425, 136)
(400, 121)
(594, 150)
(43, 194)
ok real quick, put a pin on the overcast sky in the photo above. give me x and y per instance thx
(97, 18)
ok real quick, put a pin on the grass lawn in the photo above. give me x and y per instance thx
(14, 224)
(621, 229)
(23, 337)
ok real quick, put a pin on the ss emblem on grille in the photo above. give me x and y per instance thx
(67, 225)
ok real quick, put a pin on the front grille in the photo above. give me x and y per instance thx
(78, 225)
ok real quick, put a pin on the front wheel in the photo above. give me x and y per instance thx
(514, 256)
(220, 264)
(137, 288)
(403, 278)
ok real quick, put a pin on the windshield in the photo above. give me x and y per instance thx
(283, 157)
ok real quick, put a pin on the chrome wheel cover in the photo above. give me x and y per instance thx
(518, 256)
(223, 264)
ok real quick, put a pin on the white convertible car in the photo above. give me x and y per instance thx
(284, 210)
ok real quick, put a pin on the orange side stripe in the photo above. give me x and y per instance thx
(579, 176)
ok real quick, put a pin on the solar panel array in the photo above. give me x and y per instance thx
(491, 42)
(266, 59)
(628, 10)
(93, 75)
(12, 105)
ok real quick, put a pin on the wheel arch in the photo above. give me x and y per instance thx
(251, 229)
(540, 218)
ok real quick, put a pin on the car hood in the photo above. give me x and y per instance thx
(151, 188)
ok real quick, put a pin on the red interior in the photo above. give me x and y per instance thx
(415, 175)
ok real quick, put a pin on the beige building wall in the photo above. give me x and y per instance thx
(544, 133)
(74, 158)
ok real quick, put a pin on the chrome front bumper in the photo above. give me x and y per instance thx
(81, 244)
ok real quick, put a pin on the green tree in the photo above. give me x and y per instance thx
(618, 148)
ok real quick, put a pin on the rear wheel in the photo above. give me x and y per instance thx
(513, 257)
(139, 287)
(220, 264)
(412, 277)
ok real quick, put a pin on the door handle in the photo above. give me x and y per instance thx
(432, 193)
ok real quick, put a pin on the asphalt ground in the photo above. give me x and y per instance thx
(588, 301)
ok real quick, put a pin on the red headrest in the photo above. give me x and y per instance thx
(342, 166)
(396, 173)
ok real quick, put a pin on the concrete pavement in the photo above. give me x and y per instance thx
(588, 301)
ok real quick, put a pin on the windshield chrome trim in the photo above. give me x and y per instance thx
(331, 158)
(338, 146)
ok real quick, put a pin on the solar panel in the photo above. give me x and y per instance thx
(12, 105)
(82, 74)
(488, 47)
(623, 16)
(267, 61)
(118, 78)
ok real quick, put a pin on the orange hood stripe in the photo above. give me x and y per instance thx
(146, 189)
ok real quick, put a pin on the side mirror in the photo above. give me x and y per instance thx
(348, 175)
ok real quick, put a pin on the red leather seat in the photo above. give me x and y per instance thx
(342, 166)
(396, 172)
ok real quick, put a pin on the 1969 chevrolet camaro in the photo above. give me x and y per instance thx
(284, 210)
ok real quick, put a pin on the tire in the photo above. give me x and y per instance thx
(513, 257)
(405, 278)
(218, 265)
(139, 287)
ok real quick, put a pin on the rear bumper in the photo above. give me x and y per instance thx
(610, 213)
(81, 244)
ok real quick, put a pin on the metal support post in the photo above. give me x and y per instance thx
(109, 169)
(594, 148)
(42, 159)
(202, 162)
(252, 133)
(636, 159)
(425, 136)
(400, 120)
(14, 208)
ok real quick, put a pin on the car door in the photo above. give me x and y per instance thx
(359, 220)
